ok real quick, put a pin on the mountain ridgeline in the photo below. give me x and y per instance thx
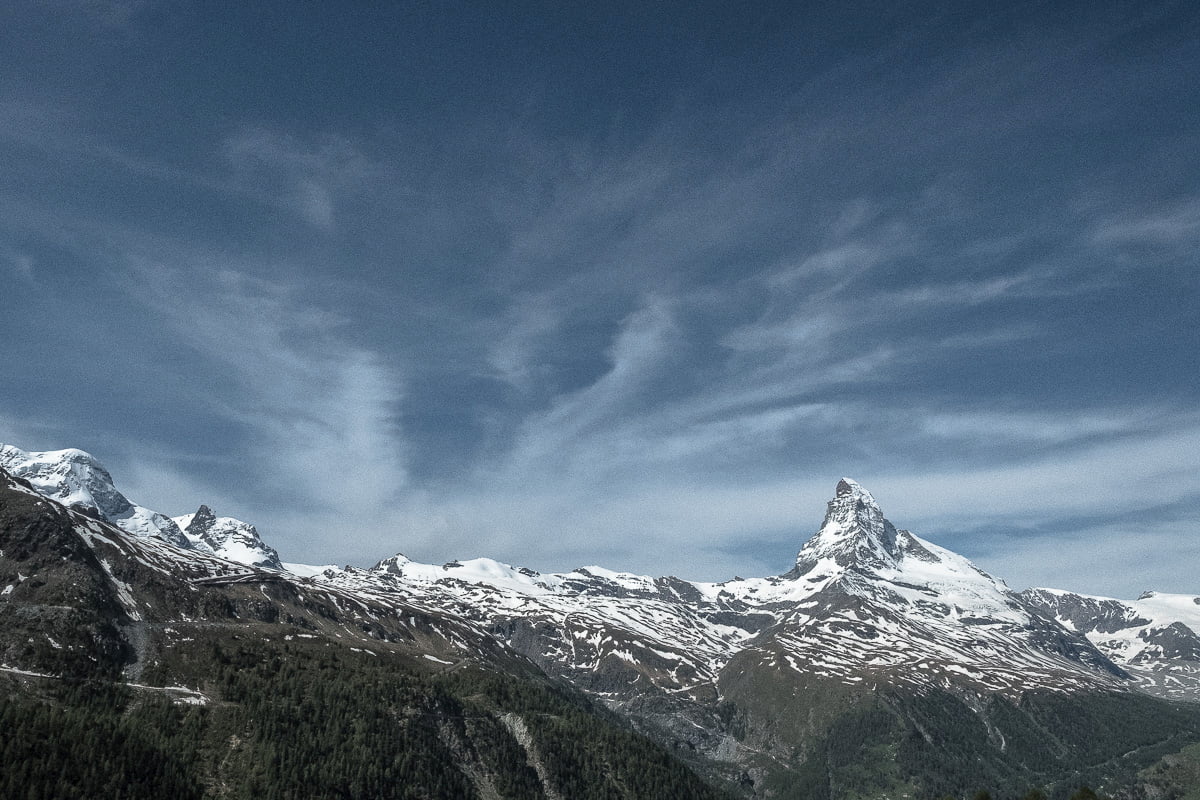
(141, 653)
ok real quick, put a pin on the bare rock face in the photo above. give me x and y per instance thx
(61, 614)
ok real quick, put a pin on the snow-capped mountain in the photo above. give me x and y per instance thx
(870, 603)
(741, 674)
(124, 599)
(866, 608)
(1154, 638)
(228, 538)
(864, 604)
(77, 480)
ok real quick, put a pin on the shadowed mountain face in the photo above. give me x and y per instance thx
(874, 634)
(208, 678)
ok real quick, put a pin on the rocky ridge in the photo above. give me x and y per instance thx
(1154, 638)
(714, 669)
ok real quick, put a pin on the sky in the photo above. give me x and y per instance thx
(632, 285)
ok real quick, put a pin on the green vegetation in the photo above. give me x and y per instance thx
(292, 720)
(79, 743)
(1047, 747)
(1175, 777)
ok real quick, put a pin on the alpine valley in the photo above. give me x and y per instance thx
(144, 655)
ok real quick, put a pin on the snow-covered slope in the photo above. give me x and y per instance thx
(741, 672)
(1155, 638)
(745, 677)
(228, 538)
(865, 605)
(126, 600)
(880, 605)
(77, 480)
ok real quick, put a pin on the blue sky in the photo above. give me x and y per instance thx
(575, 283)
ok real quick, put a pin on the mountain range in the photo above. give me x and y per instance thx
(878, 664)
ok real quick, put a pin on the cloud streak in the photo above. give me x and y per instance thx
(1177, 226)
(320, 414)
(304, 178)
(648, 326)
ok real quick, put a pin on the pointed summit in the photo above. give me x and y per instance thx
(850, 487)
(854, 533)
(228, 538)
(200, 523)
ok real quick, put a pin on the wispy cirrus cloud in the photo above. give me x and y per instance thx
(1176, 225)
(305, 177)
(1115, 559)
(803, 387)
(713, 416)
(1086, 518)
(111, 14)
(62, 133)
(530, 323)
(320, 413)
(653, 334)
(20, 265)
(258, 164)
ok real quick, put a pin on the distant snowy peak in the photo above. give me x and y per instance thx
(228, 538)
(856, 539)
(854, 533)
(76, 479)
(475, 571)
(848, 487)
(72, 477)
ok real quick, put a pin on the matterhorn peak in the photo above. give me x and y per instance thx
(854, 532)
(848, 487)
